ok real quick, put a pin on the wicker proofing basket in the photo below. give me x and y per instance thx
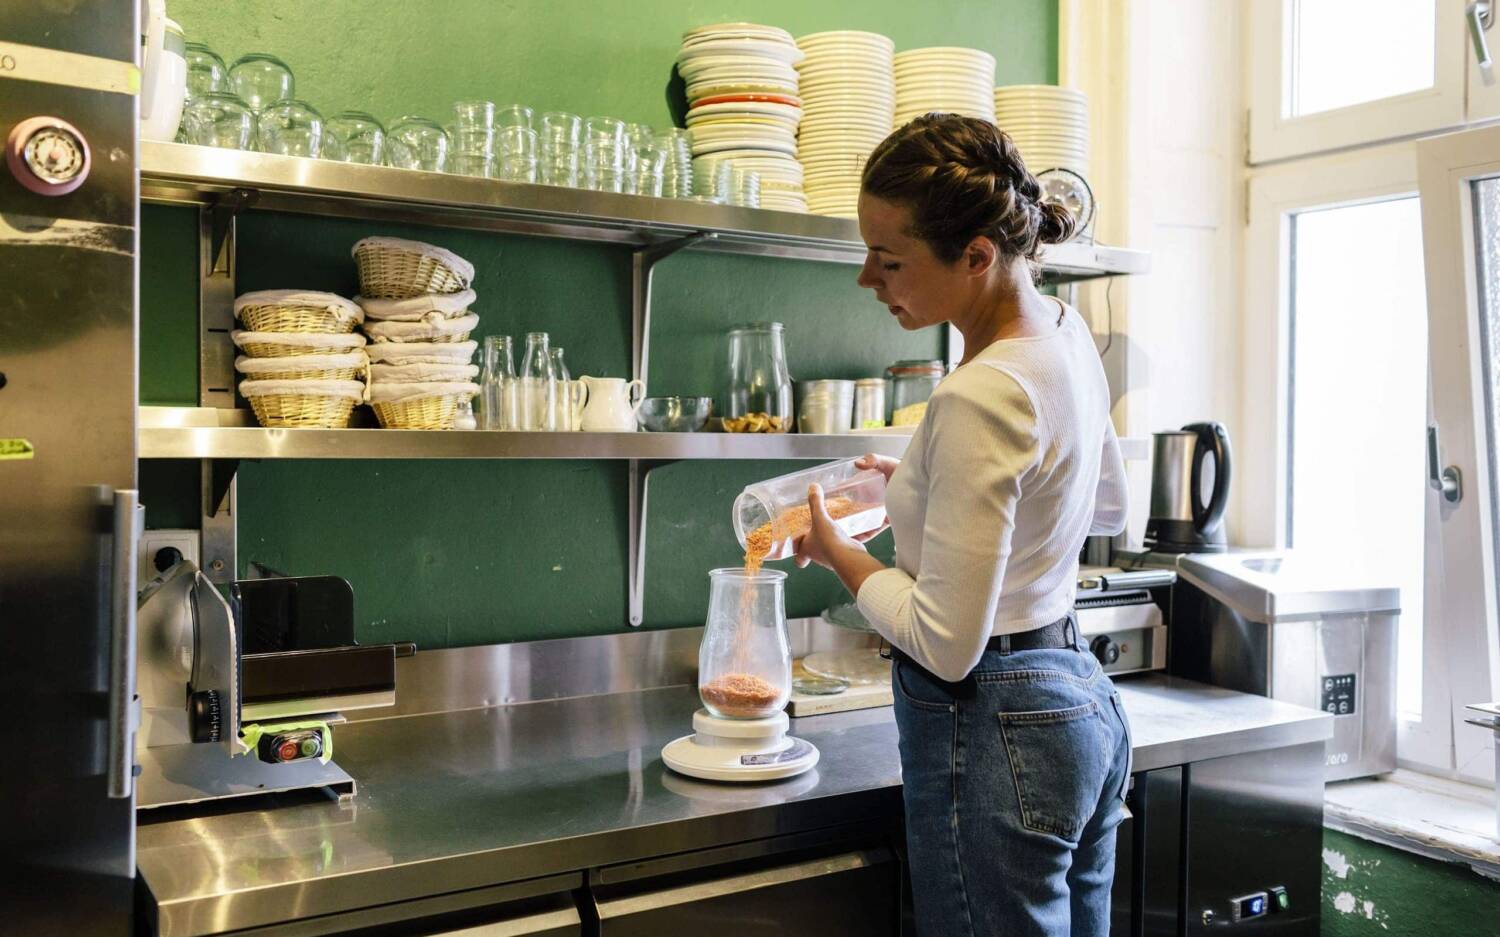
(303, 367)
(287, 344)
(323, 404)
(436, 330)
(297, 311)
(418, 410)
(390, 268)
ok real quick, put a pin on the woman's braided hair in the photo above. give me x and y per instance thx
(963, 178)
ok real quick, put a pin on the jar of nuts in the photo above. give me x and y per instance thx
(759, 399)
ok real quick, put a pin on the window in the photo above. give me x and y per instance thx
(1357, 482)
(1329, 73)
(1460, 185)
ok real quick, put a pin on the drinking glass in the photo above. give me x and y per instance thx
(473, 130)
(474, 164)
(424, 144)
(711, 178)
(513, 115)
(563, 403)
(360, 137)
(650, 168)
(291, 128)
(536, 397)
(604, 154)
(498, 384)
(518, 154)
(207, 73)
(560, 132)
(261, 79)
(677, 179)
(219, 119)
(744, 187)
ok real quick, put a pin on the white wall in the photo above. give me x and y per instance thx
(1164, 79)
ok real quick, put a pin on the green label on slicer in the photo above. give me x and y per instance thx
(16, 449)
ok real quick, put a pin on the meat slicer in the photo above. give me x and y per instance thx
(239, 697)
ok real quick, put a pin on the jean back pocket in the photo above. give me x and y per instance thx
(1059, 759)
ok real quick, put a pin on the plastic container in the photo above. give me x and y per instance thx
(774, 513)
(745, 660)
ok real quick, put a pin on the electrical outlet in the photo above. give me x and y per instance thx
(154, 541)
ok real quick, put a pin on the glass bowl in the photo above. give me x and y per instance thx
(261, 79)
(418, 143)
(360, 138)
(217, 119)
(291, 128)
(674, 414)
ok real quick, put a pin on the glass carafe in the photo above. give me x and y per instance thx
(760, 385)
(499, 384)
(536, 395)
(745, 662)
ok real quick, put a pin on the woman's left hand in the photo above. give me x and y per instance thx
(825, 539)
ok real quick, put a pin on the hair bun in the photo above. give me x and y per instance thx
(1058, 224)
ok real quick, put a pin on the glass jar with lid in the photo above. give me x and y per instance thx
(912, 383)
(760, 385)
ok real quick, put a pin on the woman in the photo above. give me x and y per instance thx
(1014, 746)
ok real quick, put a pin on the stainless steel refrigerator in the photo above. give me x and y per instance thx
(68, 326)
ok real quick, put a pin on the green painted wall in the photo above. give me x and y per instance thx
(1370, 889)
(457, 553)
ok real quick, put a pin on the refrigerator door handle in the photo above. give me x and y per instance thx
(124, 707)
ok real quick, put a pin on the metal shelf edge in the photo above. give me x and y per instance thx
(180, 173)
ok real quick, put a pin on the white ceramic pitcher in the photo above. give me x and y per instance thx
(610, 404)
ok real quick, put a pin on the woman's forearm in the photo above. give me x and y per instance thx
(853, 565)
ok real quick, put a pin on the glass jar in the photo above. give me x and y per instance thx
(771, 516)
(760, 386)
(912, 383)
(499, 384)
(745, 660)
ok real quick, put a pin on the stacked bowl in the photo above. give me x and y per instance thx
(743, 104)
(1049, 125)
(946, 80)
(848, 90)
(416, 299)
(301, 359)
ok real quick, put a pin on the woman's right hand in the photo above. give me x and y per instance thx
(885, 463)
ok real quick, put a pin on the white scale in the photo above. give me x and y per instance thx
(739, 749)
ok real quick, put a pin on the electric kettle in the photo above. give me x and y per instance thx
(1182, 520)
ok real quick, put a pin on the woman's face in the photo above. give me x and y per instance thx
(916, 286)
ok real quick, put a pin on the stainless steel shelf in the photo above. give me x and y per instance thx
(178, 173)
(208, 433)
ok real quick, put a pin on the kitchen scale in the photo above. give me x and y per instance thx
(744, 681)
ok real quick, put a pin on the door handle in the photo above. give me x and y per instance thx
(1448, 480)
(124, 715)
(1481, 16)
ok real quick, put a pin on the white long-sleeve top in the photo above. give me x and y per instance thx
(1013, 465)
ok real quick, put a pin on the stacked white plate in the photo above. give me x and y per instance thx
(848, 102)
(743, 103)
(945, 79)
(1049, 124)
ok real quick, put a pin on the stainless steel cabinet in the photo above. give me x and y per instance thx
(854, 892)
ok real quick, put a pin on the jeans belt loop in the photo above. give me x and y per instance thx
(1004, 645)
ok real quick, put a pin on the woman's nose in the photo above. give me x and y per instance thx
(867, 277)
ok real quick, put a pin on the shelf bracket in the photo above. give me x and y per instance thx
(222, 211)
(640, 478)
(217, 527)
(643, 262)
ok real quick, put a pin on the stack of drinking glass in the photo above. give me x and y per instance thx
(493, 143)
(541, 398)
(416, 300)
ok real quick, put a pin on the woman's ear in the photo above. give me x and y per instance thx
(980, 256)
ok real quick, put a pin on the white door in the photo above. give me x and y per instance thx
(1483, 41)
(1327, 74)
(1459, 181)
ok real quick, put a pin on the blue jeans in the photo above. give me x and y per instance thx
(1014, 781)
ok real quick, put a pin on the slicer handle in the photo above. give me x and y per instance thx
(124, 715)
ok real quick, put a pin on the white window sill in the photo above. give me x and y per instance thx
(1445, 820)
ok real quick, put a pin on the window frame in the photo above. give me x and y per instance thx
(1273, 136)
(1274, 195)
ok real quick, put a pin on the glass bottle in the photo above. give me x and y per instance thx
(536, 397)
(745, 660)
(563, 403)
(760, 386)
(498, 384)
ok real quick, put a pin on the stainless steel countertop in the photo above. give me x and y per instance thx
(480, 797)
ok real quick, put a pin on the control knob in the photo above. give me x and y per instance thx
(1105, 649)
(47, 155)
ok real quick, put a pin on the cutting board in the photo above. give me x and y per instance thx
(858, 696)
